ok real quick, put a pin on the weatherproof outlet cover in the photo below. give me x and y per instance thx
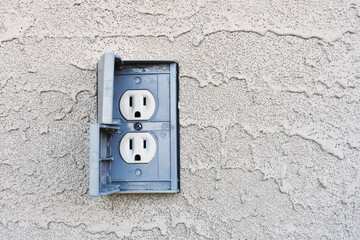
(134, 147)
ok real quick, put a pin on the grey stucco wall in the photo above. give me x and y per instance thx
(269, 104)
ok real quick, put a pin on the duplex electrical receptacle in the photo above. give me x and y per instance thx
(134, 147)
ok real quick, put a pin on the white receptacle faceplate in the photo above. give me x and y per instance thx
(137, 147)
(137, 105)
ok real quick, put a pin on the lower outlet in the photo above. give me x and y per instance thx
(137, 147)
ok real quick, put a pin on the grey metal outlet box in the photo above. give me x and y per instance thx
(110, 170)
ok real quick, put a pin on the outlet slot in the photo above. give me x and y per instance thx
(144, 101)
(137, 114)
(130, 101)
(144, 143)
(130, 144)
(137, 157)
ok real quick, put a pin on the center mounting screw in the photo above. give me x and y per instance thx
(138, 126)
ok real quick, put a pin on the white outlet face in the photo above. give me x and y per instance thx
(137, 147)
(137, 105)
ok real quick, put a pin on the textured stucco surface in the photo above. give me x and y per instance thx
(269, 104)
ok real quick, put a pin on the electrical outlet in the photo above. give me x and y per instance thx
(137, 147)
(137, 105)
(134, 147)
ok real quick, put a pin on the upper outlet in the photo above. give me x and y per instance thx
(137, 105)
